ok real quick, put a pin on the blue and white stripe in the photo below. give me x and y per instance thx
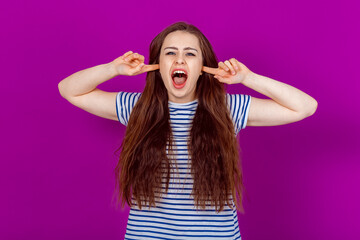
(175, 215)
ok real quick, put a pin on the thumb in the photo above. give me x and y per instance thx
(221, 79)
(137, 69)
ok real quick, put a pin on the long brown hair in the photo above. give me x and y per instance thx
(214, 150)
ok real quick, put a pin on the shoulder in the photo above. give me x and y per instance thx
(236, 101)
(238, 105)
(128, 95)
(125, 102)
(127, 98)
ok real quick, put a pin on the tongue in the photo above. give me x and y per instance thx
(179, 80)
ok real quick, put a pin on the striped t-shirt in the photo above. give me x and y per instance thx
(175, 215)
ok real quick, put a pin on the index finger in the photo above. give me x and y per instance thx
(148, 68)
(126, 54)
(210, 70)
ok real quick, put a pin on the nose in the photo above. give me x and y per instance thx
(180, 60)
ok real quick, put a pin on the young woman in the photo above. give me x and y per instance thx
(179, 167)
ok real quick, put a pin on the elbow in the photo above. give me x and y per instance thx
(308, 110)
(61, 90)
(311, 108)
(59, 87)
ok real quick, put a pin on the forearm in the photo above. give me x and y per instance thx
(284, 94)
(86, 80)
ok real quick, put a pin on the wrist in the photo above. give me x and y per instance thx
(111, 69)
(249, 78)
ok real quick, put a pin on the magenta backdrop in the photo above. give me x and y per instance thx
(57, 161)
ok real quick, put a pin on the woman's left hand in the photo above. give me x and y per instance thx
(231, 71)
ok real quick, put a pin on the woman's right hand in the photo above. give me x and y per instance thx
(132, 64)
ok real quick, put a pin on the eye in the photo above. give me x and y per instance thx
(169, 53)
(191, 54)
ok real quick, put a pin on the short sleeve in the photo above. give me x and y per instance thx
(239, 105)
(125, 101)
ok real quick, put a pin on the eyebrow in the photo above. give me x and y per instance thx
(187, 48)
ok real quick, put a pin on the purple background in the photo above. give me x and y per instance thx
(57, 161)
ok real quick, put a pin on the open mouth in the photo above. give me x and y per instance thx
(179, 78)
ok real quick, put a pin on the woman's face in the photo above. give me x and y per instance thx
(180, 53)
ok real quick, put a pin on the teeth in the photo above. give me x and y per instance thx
(178, 71)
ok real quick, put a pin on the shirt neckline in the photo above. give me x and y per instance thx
(182, 104)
